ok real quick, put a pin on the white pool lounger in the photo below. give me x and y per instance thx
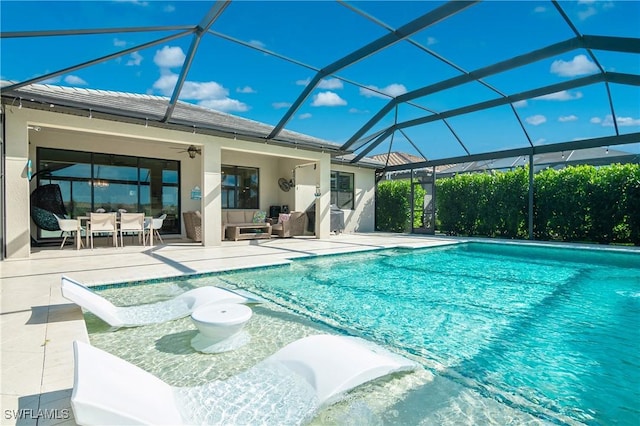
(134, 316)
(287, 388)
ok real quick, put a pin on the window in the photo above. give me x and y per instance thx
(240, 187)
(342, 193)
(91, 180)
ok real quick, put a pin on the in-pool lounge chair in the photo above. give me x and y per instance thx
(287, 388)
(154, 313)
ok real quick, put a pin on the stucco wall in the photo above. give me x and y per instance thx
(84, 134)
(362, 218)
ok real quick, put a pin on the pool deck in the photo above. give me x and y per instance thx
(38, 326)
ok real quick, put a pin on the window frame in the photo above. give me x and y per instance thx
(336, 190)
(45, 154)
(236, 187)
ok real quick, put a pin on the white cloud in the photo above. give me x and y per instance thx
(245, 89)
(536, 120)
(119, 43)
(563, 95)
(520, 104)
(391, 90)
(169, 57)
(226, 105)
(327, 99)
(586, 1)
(169, 8)
(587, 13)
(628, 121)
(540, 9)
(622, 121)
(209, 94)
(75, 80)
(595, 120)
(257, 43)
(203, 90)
(134, 59)
(166, 83)
(136, 2)
(303, 82)
(567, 118)
(280, 105)
(431, 41)
(580, 65)
(330, 84)
(540, 141)
(358, 111)
(304, 116)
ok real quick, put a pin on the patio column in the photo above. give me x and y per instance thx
(17, 219)
(323, 214)
(211, 202)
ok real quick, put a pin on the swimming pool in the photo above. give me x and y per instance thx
(512, 333)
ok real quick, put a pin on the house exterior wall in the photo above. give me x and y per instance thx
(71, 132)
(362, 217)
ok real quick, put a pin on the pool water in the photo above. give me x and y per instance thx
(507, 333)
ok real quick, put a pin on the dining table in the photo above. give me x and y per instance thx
(85, 219)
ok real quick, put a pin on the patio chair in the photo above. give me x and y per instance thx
(132, 223)
(193, 225)
(295, 225)
(154, 313)
(287, 388)
(46, 202)
(69, 227)
(100, 223)
(154, 225)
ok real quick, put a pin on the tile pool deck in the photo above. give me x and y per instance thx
(38, 326)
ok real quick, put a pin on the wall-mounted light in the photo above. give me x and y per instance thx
(34, 128)
(317, 193)
(193, 150)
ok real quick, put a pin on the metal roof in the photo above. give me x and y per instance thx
(150, 110)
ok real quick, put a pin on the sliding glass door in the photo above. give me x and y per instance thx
(91, 181)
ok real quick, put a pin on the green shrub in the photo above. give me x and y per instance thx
(577, 203)
(393, 208)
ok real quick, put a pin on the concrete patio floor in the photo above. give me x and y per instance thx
(38, 326)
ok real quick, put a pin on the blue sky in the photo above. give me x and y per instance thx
(251, 83)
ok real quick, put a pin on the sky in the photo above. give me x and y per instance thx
(260, 56)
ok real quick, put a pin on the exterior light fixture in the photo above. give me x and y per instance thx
(193, 150)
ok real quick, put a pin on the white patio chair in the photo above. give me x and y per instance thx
(68, 227)
(154, 225)
(287, 388)
(132, 223)
(102, 223)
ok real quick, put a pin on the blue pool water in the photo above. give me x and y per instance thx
(552, 332)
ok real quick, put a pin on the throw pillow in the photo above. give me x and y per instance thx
(259, 217)
(283, 217)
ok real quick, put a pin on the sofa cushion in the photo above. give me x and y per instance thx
(259, 217)
(237, 216)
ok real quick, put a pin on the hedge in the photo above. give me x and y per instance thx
(393, 210)
(577, 203)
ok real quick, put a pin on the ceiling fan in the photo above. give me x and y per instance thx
(192, 151)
